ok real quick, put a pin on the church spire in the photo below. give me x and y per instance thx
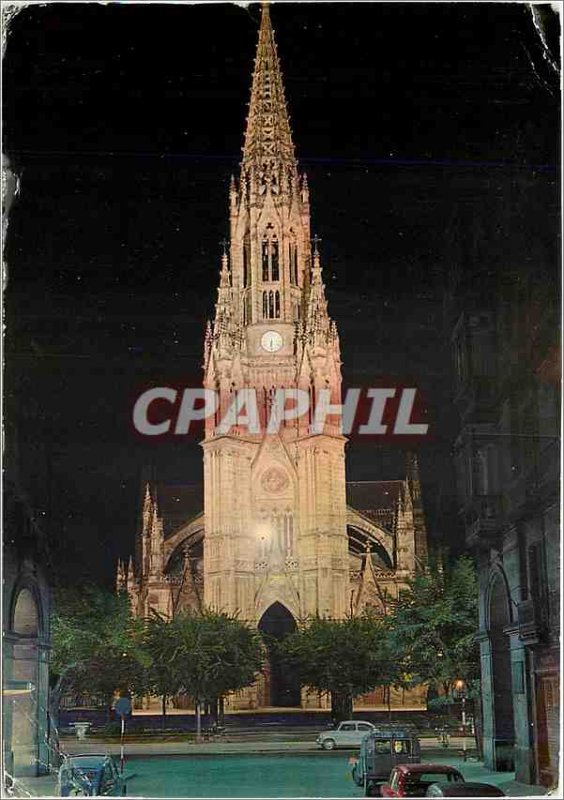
(413, 482)
(224, 323)
(268, 139)
(121, 576)
(318, 327)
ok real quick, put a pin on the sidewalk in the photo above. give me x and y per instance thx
(272, 744)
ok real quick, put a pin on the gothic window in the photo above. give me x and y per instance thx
(290, 250)
(271, 305)
(312, 402)
(246, 260)
(265, 259)
(216, 412)
(289, 533)
(293, 263)
(247, 309)
(263, 546)
(274, 261)
(281, 533)
(270, 256)
(278, 525)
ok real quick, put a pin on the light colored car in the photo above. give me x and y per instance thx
(348, 733)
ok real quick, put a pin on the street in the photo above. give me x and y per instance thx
(270, 768)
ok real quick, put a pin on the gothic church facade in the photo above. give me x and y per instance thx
(279, 534)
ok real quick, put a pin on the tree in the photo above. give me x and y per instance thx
(163, 675)
(97, 645)
(433, 629)
(346, 658)
(205, 655)
(434, 625)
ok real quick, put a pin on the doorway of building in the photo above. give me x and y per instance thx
(282, 686)
(504, 725)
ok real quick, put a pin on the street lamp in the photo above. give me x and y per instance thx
(460, 689)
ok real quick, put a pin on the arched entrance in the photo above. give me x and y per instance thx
(282, 686)
(502, 700)
(25, 687)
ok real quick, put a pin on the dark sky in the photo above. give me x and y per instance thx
(422, 127)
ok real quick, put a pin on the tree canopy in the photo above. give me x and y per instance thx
(213, 653)
(346, 658)
(97, 645)
(434, 624)
(205, 655)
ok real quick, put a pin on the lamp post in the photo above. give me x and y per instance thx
(460, 690)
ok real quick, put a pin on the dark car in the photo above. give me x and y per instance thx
(413, 780)
(466, 789)
(380, 751)
(93, 775)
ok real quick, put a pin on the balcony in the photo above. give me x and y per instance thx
(482, 520)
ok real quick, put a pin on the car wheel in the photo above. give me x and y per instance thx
(329, 744)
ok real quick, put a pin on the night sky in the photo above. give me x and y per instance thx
(430, 135)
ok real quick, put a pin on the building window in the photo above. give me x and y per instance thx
(538, 582)
(247, 315)
(265, 259)
(26, 615)
(271, 305)
(270, 256)
(460, 360)
(246, 260)
(277, 535)
(274, 261)
(293, 263)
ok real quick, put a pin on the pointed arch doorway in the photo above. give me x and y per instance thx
(282, 687)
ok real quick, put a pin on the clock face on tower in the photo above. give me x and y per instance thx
(271, 341)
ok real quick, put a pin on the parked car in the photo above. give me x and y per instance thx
(380, 751)
(413, 780)
(93, 775)
(466, 789)
(349, 733)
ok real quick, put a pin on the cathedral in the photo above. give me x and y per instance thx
(276, 534)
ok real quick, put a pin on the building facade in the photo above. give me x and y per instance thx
(25, 656)
(505, 342)
(280, 534)
(26, 563)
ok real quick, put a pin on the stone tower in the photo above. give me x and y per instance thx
(275, 503)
